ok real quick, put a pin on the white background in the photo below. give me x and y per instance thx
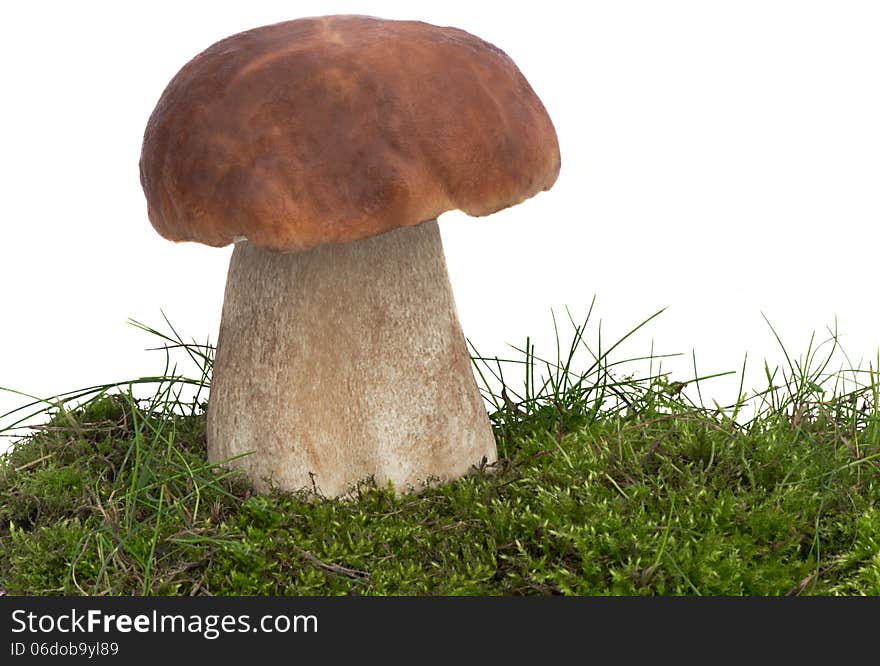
(721, 158)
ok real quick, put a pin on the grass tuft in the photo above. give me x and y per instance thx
(607, 483)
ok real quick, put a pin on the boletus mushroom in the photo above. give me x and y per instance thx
(324, 149)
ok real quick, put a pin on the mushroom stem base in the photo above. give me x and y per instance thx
(342, 363)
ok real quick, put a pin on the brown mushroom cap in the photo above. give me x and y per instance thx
(338, 128)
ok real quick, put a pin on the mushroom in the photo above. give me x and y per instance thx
(325, 149)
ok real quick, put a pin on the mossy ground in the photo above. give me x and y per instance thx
(650, 496)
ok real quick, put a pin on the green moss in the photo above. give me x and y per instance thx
(38, 560)
(605, 485)
(627, 504)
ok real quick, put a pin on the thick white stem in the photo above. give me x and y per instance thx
(345, 362)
